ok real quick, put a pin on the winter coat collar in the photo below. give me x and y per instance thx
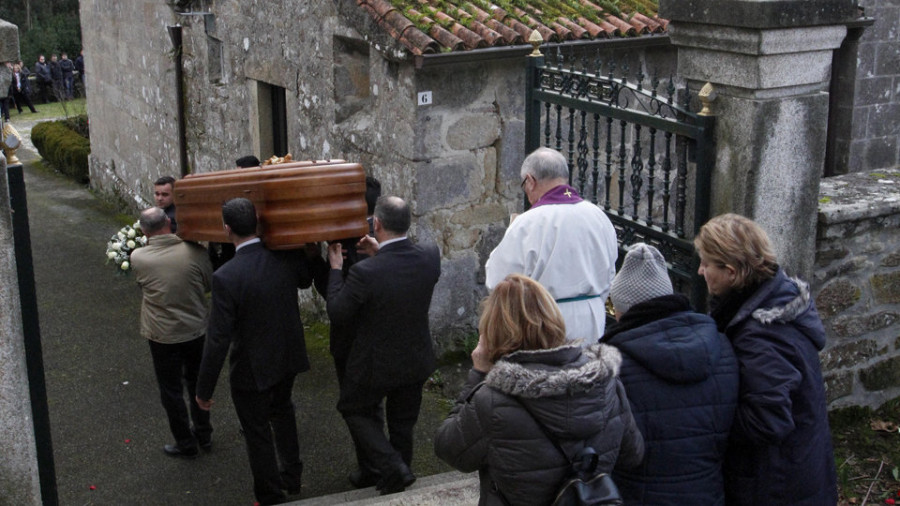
(556, 371)
(783, 300)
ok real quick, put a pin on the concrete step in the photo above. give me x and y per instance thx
(440, 489)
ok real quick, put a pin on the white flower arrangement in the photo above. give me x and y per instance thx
(122, 243)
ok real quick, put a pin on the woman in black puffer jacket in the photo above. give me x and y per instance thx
(522, 358)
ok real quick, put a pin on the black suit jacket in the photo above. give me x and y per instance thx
(255, 312)
(388, 297)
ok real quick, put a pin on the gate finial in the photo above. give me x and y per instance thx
(535, 39)
(707, 95)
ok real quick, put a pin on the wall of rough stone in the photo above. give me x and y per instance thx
(857, 286)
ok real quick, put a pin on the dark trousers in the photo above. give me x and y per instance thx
(367, 467)
(264, 415)
(4, 107)
(45, 90)
(176, 367)
(361, 408)
(23, 99)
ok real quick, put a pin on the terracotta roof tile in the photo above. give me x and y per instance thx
(433, 26)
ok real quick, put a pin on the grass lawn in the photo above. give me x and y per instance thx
(867, 454)
(74, 107)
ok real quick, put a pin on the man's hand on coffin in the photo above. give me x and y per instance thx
(336, 255)
(313, 250)
(367, 245)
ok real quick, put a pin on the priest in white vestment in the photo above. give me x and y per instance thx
(563, 242)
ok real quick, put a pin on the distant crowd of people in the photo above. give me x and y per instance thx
(725, 408)
(57, 80)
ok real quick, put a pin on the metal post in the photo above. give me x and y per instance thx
(34, 359)
(532, 106)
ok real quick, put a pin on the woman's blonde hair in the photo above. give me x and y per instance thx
(520, 314)
(731, 239)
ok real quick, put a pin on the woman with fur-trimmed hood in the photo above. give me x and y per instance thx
(522, 359)
(779, 450)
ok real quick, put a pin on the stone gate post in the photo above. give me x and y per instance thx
(19, 481)
(19, 474)
(770, 62)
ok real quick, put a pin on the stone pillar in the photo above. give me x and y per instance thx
(770, 62)
(19, 481)
(19, 478)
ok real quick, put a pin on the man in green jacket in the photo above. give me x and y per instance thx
(175, 276)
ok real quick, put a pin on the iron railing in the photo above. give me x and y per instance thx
(636, 151)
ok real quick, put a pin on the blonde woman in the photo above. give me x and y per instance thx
(523, 368)
(779, 448)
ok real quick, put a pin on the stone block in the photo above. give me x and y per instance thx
(453, 304)
(429, 135)
(884, 120)
(886, 287)
(825, 256)
(857, 156)
(881, 153)
(467, 86)
(509, 86)
(886, 17)
(860, 122)
(882, 375)
(848, 354)
(490, 238)
(756, 13)
(852, 265)
(755, 72)
(473, 131)
(9, 42)
(836, 297)
(480, 214)
(756, 42)
(838, 385)
(511, 150)
(887, 59)
(865, 59)
(874, 90)
(443, 182)
(891, 260)
(852, 326)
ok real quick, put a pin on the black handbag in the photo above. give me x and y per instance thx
(583, 485)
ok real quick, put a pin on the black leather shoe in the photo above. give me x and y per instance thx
(291, 485)
(363, 479)
(397, 481)
(205, 443)
(178, 451)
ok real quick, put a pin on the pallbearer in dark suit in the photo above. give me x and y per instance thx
(388, 296)
(255, 313)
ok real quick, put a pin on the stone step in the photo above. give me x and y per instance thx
(445, 489)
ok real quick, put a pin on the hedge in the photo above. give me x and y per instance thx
(63, 148)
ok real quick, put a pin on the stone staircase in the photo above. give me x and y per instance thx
(451, 488)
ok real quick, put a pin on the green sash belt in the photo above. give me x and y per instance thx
(575, 299)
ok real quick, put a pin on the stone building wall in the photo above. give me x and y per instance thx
(865, 130)
(877, 104)
(857, 286)
(350, 92)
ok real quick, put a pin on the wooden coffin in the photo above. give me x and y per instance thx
(297, 202)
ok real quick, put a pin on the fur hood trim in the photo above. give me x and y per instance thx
(545, 373)
(789, 311)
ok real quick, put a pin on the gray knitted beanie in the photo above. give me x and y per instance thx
(643, 276)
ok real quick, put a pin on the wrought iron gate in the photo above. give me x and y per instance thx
(637, 152)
